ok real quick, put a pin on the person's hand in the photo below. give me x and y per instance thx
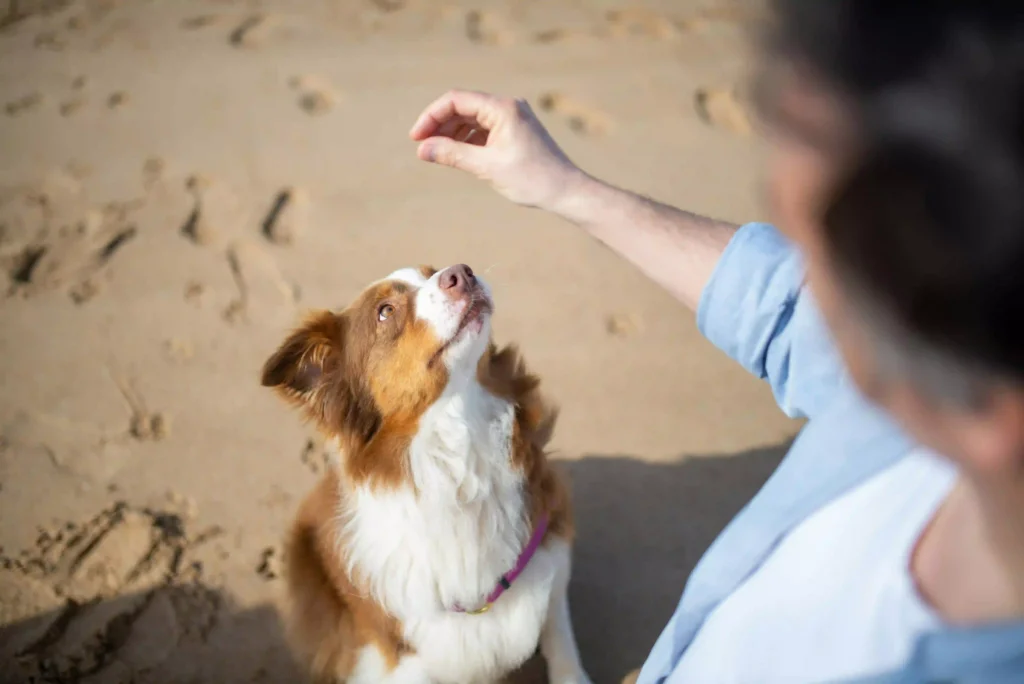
(498, 140)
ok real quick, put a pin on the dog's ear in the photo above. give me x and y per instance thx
(310, 369)
(313, 350)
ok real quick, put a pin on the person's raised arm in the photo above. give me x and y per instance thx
(752, 309)
(500, 140)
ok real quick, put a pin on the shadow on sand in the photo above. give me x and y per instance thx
(641, 527)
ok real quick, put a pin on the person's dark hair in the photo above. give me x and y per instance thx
(929, 224)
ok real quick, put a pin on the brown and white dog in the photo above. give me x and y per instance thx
(437, 550)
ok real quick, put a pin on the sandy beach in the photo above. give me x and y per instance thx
(180, 181)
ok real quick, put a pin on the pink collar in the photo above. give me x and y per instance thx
(506, 580)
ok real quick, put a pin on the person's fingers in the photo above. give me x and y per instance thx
(448, 152)
(484, 108)
(477, 137)
(464, 132)
(462, 129)
(451, 127)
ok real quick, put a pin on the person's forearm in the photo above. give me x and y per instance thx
(675, 248)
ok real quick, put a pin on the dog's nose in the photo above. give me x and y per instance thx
(457, 280)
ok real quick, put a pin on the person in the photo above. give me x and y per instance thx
(887, 308)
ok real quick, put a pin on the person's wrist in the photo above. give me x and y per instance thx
(569, 199)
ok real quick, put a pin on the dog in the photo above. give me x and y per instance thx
(437, 549)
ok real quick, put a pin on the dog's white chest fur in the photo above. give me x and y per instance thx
(443, 543)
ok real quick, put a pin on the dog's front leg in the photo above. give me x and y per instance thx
(557, 641)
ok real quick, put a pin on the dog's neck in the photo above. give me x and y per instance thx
(462, 448)
(444, 538)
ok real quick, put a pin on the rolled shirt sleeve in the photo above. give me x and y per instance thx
(756, 309)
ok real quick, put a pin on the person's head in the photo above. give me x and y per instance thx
(898, 169)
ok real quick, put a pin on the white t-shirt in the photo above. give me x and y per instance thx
(835, 599)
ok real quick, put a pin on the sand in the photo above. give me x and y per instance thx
(180, 180)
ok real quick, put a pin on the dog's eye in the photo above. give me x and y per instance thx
(384, 312)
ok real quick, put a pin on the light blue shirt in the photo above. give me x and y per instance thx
(757, 311)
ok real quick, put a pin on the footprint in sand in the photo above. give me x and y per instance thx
(580, 117)
(51, 446)
(76, 100)
(315, 95)
(288, 216)
(640, 22)
(72, 257)
(13, 12)
(50, 40)
(486, 28)
(86, 290)
(559, 35)
(254, 32)
(73, 105)
(117, 100)
(116, 594)
(179, 350)
(270, 564)
(721, 108)
(201, 21)
(23, 221)
(316, 456)
(154, 170)
(624, 325)
(51, 238)
(24, 104)
(195, 293)
(217, 212)
(276, 499)
(389, 5)
(145, 426)
(725, 16)
(262, 288)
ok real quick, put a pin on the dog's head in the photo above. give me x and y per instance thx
(382, 361)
